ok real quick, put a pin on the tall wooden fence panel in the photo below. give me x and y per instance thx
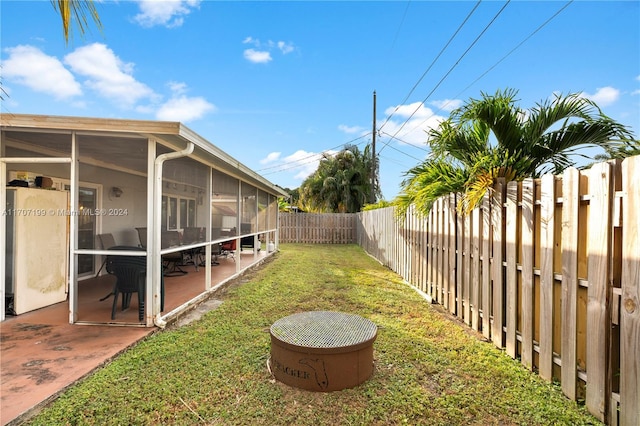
(314, 228)
(548, 269)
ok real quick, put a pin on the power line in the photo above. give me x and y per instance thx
(432, 63)
(413, 145)
(545, 23)
(450, 69)
(311, 157)
(406, 9)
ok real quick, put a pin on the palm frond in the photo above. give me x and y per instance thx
(76, 11)
(499, 112)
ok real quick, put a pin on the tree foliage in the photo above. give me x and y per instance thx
(492, 137)
(341, 184)
(76, 11)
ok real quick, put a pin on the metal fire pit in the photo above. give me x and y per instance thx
(322, 351)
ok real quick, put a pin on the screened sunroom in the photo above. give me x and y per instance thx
(90, 200)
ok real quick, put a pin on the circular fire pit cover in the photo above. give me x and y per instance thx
(322, 350)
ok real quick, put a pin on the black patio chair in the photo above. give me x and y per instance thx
(195, 256)
(130, 272)
(106, 242)
(172, 261)
(142, 236)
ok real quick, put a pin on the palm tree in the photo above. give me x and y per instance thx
(76, 11)
(493, 138)
(342, 182)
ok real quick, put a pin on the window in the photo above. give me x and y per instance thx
(178, 212)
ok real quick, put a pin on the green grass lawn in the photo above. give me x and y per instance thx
(429, 369)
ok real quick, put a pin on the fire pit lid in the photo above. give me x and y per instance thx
(324, 330)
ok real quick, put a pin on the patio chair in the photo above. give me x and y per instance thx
(106, 242)
(194, 255)
(246, 242)
(172, 261)
(228, 249)
(142, 235)
(215, 252)
(131, 274)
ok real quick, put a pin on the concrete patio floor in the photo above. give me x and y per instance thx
(41, 354)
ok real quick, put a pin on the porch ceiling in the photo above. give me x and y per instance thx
(120, 144)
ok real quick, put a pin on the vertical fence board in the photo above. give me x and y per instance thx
(547, 243)
(570, 227)
(425, 255)
(497, 268)
(444, 296)
(527, 216)
(452, 254)
(466, 268)
(460, 229)
(445, 254)
(512, 284)
(486, 267)
(431, 251)
(630, 312)
(476, 220)
(439, 257)
(598, 247)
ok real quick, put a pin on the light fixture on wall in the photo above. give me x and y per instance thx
(116, 192)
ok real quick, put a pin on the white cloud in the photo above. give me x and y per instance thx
(273, 156)
(169, 13)
(285, 47)
(184, 109)
(108, 75)
(256, 56)
(447, 105)
(303, 163)
(262, 51)
(410, 123)
(105, 74)
(604, 96)
(177, 87)
(29, 66)
(181, 107)
(350, 129)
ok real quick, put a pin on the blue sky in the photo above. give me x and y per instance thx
(274, 84)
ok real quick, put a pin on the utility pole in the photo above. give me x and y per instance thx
(372, 198)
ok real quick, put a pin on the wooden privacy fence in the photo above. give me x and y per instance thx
(318, 228)
(548, 269)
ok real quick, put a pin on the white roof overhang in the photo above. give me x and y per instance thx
(111, 136)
